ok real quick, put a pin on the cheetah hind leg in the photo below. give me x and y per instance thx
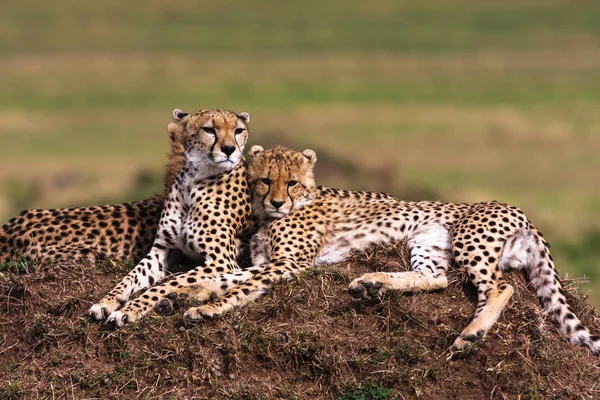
(429, 258)
(490, 304)
(493, 292)
(373, 285)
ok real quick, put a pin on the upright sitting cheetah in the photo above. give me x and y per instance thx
(306, 225)
(207, 209)
(119, 232)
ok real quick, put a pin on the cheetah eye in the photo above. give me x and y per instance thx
(239, 131)
(209, 130)
(292, 183)
(266, 181)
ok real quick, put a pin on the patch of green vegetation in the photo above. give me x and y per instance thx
(12, 391)
(371, 391)
(11, 366)
(20, 266)
(406, 354)
(262, 343)
(380, 357)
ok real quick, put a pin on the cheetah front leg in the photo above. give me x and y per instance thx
(148, 271)
(430, 257)
(166, 297)
(203, 289)
(238, 294)
(284, 263)
(151, 268)
(197, 283)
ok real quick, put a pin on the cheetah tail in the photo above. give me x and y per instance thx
(529, 251)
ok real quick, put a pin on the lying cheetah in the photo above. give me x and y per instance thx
(306, 225)
(207, 208)
(122, 232)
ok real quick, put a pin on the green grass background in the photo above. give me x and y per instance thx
(470, 100)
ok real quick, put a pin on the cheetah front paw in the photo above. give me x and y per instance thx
(367, 290)
(205, 311)
(465, 344)
(118, 319)
(170, 304)
(104, 308)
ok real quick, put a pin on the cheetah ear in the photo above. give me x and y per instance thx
(174, 132)
(256, 150)
(178, 114)
(310, 155)
(245, 117)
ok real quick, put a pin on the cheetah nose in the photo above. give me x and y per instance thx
(228, 150)
(277, 203)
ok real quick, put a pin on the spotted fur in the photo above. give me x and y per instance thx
(122, 232)
(207, 209)
(306, 226)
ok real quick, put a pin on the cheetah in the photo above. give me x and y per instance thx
(207, 209)
(121, 232)
(303, 225)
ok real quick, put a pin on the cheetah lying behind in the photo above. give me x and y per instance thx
(207, 209)
(305, 225)
(122, 232)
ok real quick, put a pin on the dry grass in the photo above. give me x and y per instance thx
(307, 339)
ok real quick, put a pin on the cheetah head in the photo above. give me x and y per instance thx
(213, 139)
(281, 180)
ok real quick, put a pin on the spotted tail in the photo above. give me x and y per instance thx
(528, 250)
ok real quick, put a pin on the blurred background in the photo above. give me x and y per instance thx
(457, 100)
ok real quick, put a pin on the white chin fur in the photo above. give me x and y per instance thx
(219, 158)
(276, 214)
(225, 165)
(219, 162)
(273, 213)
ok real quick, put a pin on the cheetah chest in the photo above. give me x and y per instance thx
(196, 218)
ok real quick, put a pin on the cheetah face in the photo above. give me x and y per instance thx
(281, 180)
(213, 139)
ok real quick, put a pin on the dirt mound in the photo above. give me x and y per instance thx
(308, 339)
